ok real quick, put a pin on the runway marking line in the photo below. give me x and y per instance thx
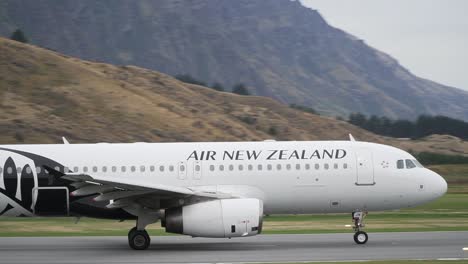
(332, 261)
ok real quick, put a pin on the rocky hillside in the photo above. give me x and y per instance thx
(279, 48)
(45, 95)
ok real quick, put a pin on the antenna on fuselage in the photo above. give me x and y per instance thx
(351, 138)
(65, 141)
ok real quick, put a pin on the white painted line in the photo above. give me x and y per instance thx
(335, 261)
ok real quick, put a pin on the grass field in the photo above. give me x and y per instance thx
(449, 213)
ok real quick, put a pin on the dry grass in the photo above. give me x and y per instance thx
(45, 95)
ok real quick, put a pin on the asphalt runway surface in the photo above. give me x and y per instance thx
(263, 248)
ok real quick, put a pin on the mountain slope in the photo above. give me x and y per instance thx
(45, 95)
(278, 48)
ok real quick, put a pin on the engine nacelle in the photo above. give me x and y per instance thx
(217, 218)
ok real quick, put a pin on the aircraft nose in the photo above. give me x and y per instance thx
(439, 185)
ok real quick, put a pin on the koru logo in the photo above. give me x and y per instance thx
(18, 178)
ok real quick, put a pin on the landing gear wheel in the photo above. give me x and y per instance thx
(361, 237)
(138, 239)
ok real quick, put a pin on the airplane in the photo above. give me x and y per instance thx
(211, 189)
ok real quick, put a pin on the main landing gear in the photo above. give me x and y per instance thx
(138, 239)
(360, 237)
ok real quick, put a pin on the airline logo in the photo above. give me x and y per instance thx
(278, 154)
(18, 178)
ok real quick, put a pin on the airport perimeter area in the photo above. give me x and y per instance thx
(433, 233)
(449, 213)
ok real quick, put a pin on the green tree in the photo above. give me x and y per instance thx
(186, 78)
(217, 86)
(19, 36)
(304, 109)
(240, 89)
(357, 119)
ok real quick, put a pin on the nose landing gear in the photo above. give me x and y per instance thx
(360, 237)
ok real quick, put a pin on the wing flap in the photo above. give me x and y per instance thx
(118, 188)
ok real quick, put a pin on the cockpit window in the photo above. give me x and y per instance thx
(418, 164)
(410, 164)
(400, 164)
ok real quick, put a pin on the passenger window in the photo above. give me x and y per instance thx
(85, 169)
(38, 169)
(269, 166)
(74, 169)
(114, 168)
(298, 166)
(182, 168)
(104, 169)
(345, 166)
(212, 167)
(288, 166)
(410, 164)
(326, 166)
(317, 166)
(231, 167)
(400, 164)
(250, 167)
(241, 167)
(335, 166)
(307, 166)
(28, 170)
(259, 167)
(123, 168)
(1, 169)
(133, 168)
(151, 168)
(142, 168)
(171, 168)
(161, 168)
(221, 167)
(197, 167)
(278, 166)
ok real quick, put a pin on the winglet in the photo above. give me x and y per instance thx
(65, 141)
(351, 138)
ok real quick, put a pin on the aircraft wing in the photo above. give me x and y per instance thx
(120, 192)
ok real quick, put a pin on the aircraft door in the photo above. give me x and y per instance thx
(51, 201)
(365, 167)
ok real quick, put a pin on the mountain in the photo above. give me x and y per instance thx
(280, 49)
(45, 95)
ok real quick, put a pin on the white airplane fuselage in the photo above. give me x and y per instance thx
(289, 177)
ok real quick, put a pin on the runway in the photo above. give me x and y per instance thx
(263, 248)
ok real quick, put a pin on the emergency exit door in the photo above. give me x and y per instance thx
(365, 167)
(197, 170)
(182, 170)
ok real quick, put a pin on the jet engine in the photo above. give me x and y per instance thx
(217, 218)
